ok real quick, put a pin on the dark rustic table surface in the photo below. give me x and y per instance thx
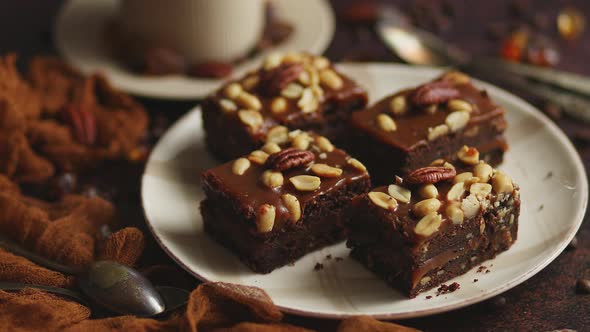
(548, 301)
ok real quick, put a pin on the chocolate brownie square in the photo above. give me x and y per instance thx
(276, 204)
(298, 91)
(436, 223)
(408, 129)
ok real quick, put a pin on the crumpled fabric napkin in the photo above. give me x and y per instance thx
(211, 307)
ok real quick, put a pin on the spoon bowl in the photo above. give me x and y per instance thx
(121, 289)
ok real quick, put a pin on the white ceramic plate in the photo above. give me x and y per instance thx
(79, 38)
(552, 210)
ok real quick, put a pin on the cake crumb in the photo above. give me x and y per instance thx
(475, 280)
(328, 256)
(318, 266)
(549, 175)
(429, 297)
(444, 289)
(481, 269)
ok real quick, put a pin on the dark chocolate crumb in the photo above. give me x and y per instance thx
(475, 280)
(573, 244)
(444, 289)
(549, 175)
(488, 271)
(429, 297)
(583, 286)
(498, 301)
(328, 256)
(481, 269)
(541, 207)
(318, 266)
(339, 259)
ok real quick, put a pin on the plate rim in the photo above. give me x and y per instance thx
(319, 45)
(523, 105)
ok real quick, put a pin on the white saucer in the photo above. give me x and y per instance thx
(79, 37)
(541, 159)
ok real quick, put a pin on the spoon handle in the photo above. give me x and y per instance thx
(15, 286)
(564, 80)
(19, 250)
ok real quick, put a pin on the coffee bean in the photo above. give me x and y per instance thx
(583, 286)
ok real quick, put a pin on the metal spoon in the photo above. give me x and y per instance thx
(420, 47)
(114, 286)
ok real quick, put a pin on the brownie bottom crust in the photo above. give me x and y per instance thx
(413, 270)
(320, 226)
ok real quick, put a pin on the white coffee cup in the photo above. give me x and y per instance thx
(201, 30)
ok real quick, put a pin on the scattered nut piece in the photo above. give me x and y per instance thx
(305, 182)
(273, 60)
(308, 103)
(278, 135)
(455, 213)
(426, 206)
(456, 191)
(278, 105)
(468, 155)
(502, 183)
(258, 157)
(324, 144)
(266, 218)
(428, 225)
(321, 62)
(240, 166)
(250, 82)
(438, 131)
(301, 141)
(483, 171)
(292, 204)
(431, 109)
(428, 191)
(386, 123)
(233, 90)
(330, 79)
(425, 280)
(398, 104)
(458, 105)
(470, 206)
(480, 190)
(326, 171)
(249, 101)
(383, 200)
(437, 162)
(228, 105)
(457, 120)
(401, 194)
(292, 91)
(304, 78)
(356, 164)
(271, 147)
(456, 77)
(463, 177)
(252, 119)
(272, 179)
(293, 57)
(448, 165)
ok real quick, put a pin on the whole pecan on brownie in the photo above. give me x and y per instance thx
(276, 79)
(82, 123)
(289, 158)
(430, 174)
(434, 93)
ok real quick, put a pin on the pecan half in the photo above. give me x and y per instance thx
(289, 158)
(81, 122)
(434, 93)
(275, 80)
(430, 174)
(213, 69)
